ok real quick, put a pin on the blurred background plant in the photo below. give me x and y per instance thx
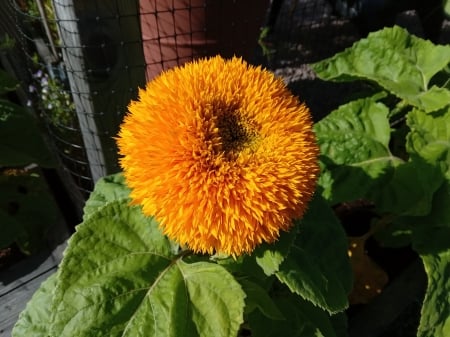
(27, 208)
(49, 93)
(52, 98)
(50, 88)
(35, 12)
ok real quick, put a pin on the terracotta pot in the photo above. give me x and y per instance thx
(177, 31)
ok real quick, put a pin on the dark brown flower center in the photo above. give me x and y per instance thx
(235, 132)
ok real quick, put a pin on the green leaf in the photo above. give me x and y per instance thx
(22, 141)
(257, 297)
(399, 62)
(35, 319)
(302, 277)
(365, 120)
(107, 189)
(317, 267)
(435, 316)
(354, 144)
(431, 239)
(270, 256)
(27, 211)
(302, 320)
(431, 233)
(400, 196)
(429, 138)
(119, 277)
(363, 166)
(378, 176)
(428, 144)
(217, 300)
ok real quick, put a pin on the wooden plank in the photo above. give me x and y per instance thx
(28, 269)
(19, 282)
(14, 302)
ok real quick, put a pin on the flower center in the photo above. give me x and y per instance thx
(235, 132)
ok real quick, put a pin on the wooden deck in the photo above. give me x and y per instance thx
(19, 282)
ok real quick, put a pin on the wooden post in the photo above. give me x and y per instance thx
(102, 52)
(74, 61)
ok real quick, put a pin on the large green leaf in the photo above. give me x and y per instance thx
(258, 298)
(409, 190)
(317, 267)
(429, 138)
(303, 319)
(435, 317)
(107, 189)
(27, 211)
(21, 140)
(431, 239)
(411, 195)
(35, 319)
(119, 277)
(270, 256)
(401, 63)
(216, 301)
(428, 144)
(431, 233)
(354, 143)
(360, 124)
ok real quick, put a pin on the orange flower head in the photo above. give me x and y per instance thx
(221, 153)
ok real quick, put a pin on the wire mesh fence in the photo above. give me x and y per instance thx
(49, 91)
(87, 59)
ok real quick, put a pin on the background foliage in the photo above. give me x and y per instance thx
(27, 209)
(392, 148)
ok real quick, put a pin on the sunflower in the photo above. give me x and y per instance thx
(221, 154)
